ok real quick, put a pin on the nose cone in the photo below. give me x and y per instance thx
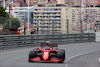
(45, 55)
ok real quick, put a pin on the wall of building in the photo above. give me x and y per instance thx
(93, 12)
(92, 2)
(16, 4)
(46, 16)
(72, 14)
(31, 2)
(43, 1)
(60, 1)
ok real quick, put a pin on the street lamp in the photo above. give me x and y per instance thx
(81, 15)
(67, 26)
(10, 3)
(4, 4)
(88, 23)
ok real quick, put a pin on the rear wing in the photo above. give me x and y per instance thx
(54, 45)
(50, 45)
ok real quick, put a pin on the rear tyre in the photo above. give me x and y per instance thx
(31, 55)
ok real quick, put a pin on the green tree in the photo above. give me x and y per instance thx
(15, 23)
(3, 15)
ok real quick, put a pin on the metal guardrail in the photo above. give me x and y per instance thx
(97, 36)
(19, 40)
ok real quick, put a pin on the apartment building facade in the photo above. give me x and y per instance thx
(21, 12)
(79, 2)
(31, 2)
(50, 19)
(46, 1)
(17, 4)
(92, 12)
(43, 1)
(60, 1)
(92, 2)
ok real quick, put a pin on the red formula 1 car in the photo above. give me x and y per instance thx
(48, 53)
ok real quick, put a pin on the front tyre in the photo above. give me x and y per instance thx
(31, 55)
(61, 55)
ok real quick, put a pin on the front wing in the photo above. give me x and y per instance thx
(37, 59)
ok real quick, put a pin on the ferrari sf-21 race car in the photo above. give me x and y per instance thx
(47, 53)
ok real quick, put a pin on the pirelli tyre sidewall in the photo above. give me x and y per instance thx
(61, 54)
(32, 54)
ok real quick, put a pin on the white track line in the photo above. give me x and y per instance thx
(15, 51)
(75, 56)
(99, 59)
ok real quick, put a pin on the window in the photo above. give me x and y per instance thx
(47, 9)
(35, 9)
(50, 9)
(56, 9)
(16, 12)
(14, 5)
(21, 13)
(34, 26)
(37, 16)
(44, 9)
(41, 16)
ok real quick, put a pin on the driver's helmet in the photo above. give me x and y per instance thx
(47, 43)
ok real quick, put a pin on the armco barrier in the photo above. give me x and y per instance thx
(97, 36)
(17, 40)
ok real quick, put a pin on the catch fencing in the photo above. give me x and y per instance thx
(22, 40)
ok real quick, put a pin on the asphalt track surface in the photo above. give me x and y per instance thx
(18, 56)
(88, 60)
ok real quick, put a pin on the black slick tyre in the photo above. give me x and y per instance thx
(61, 55)
(31, 55)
